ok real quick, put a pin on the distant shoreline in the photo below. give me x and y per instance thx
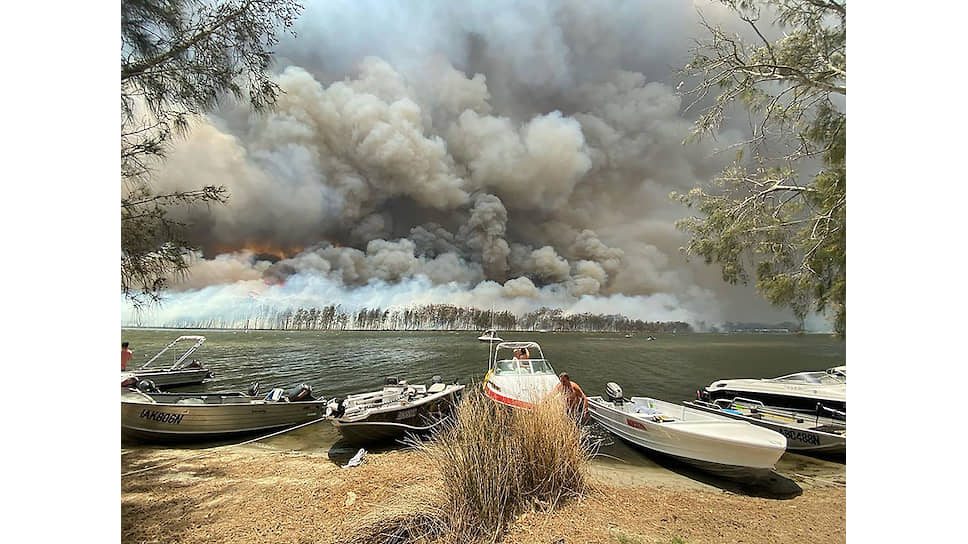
(646, 334)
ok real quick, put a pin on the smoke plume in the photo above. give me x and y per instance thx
(502, 155)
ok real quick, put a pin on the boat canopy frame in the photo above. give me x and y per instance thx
(199, 340)
(493, 366)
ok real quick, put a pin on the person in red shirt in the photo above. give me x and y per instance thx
(126, 355)
(575, 398)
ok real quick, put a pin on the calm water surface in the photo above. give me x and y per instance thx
(338, 363)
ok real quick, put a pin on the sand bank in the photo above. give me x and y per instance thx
(252, 494)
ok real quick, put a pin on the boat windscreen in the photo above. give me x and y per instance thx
(802, 377)
(524, 366)
(812, 378)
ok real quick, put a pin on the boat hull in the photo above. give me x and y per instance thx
(377, 432)
(418, 418)
(708, 445)
(519, 391)
(794, 400)
(800, 440)
(801, 391)
(169, 378)
(197, 422)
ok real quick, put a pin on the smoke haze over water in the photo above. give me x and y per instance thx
(502, 155)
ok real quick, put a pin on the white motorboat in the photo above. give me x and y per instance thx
(394, 411)
(182, 371)
(520, 383)
(490, 335)
(151, 415)
(801, 391)
(805, 433)
(708, 441)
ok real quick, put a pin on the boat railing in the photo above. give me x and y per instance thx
(707, 404)
(757, 406)
(832, 411)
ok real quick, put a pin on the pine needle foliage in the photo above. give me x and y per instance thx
(178, 58)
(779, 210)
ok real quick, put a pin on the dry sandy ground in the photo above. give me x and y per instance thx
(252, 496)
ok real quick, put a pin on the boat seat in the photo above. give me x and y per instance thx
(276, 395)
(436, 388)
(654, 415)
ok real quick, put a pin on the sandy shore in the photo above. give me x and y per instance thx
(257, 495)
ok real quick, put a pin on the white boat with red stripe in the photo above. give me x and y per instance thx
(516, 381)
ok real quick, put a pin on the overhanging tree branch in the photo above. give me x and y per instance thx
(792, 233)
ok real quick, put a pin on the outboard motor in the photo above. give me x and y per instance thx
(391, 380)
(335, 408)
(613, 393)
(300, 392)
(147, 386)
(189, 364)
(437, 379)
(254, 389)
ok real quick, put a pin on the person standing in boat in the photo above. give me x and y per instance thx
(575, 399)
(522, 355)
(126, 355)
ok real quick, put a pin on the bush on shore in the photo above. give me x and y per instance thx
(495, 464)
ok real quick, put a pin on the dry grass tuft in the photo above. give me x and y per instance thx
(415, 517)
(496, 463)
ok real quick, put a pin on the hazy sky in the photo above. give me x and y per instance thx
(496, 154)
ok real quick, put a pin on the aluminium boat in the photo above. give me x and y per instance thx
(711, 442)
(183, 371)
(150, 415)
(805, 433)
(394, 411)
(519, 383)
(799, 392)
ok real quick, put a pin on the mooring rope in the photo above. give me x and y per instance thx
(819, 479)
(217, 448)
(609, 457)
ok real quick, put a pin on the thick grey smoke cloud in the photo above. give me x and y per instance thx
(512, 154)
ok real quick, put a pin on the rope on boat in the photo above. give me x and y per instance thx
(217, 448)
(607, 456)
(819, 479)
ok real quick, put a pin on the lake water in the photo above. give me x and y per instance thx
(334, 363)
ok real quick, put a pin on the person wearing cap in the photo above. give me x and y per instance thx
(575, 398)
(126, 355)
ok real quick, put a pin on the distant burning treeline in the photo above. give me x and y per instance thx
(433, 317)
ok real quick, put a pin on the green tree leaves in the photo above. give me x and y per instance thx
(781, 212)
(178, 57)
